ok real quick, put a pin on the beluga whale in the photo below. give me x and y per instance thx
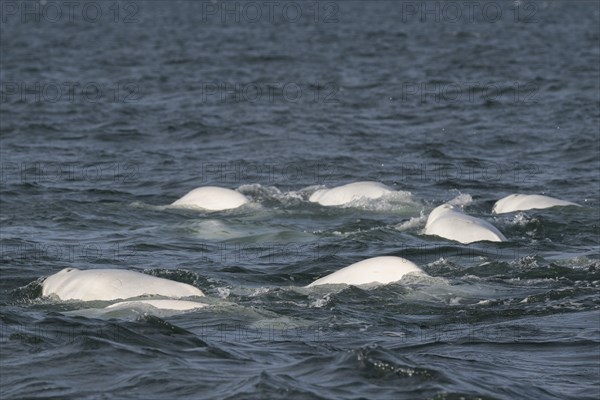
(522, 202)
(112, 284)
(347, 193)
(212, 198)
(376, 270)
(450, 222)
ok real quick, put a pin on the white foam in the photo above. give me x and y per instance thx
(461, 200)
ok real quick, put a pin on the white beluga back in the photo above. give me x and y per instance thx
(377, 270)
(450, 222)
(522, 202)
(211, 198)
(112, 284)
(347, 193)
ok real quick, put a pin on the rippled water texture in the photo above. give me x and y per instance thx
(107, 119)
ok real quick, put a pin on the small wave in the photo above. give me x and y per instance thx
(412, 223)
(461, 200)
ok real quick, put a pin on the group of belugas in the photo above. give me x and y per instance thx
(447, 221)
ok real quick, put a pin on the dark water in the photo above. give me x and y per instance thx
(113, 109)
